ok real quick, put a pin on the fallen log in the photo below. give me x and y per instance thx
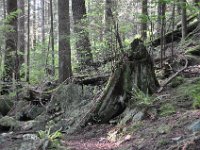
(95, 80)
(175, 35)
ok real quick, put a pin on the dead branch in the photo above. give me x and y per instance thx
(173, 76)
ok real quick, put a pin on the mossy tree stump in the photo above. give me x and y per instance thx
(134, 71)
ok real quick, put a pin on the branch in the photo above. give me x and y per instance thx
(173, 76)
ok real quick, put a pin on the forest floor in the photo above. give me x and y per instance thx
(168, 130)
(151, 135)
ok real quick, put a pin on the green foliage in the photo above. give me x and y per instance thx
(177, 81)
(141, 98)
(52, 137)
(196, 96)
(163, 142)
(167, 109)
(192, 90)
(13, 15)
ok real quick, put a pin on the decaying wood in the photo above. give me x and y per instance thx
(173, 76)
(94, 80)
(134, 70)
(176, 34)
(189, 19)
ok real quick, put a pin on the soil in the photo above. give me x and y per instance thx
(159, 133)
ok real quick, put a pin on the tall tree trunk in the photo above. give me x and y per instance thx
(144, 19)
(11, 56)
(65, 70)
(43, 21)
(34, 24)
(28, 46)
(184, 19)
(108, 27)
(161, 27)
(4, 9)
(21, 32)
(52, 39)
(84, 54)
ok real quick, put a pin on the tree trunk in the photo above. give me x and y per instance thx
(135, 71)
(34, 37)
(84, 54)
(176, 34)
(52, 40)
(11, 56)
(43, 21)
(28, 45)
(65, 70)
(184, 19)
(144, 19)
(21, 32)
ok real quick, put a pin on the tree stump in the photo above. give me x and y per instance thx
(134, 71)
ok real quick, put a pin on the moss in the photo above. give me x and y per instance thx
(163, 142)
(5, 104)
(163, 129)
(177, 81)
(195, 50)
(191, 90)
(133, 128)
(167, 109)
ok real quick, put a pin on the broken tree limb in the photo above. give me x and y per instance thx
(173, 76)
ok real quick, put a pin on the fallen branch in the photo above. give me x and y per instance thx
(173, 76)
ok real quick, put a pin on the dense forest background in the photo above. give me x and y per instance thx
(109, 68)
(87, 34)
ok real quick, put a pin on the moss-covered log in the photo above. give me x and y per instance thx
(175, 35)
(134, 71)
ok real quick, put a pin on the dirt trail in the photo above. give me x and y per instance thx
(91, 144)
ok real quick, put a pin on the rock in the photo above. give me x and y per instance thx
(24, 111)
(5, 105)
(33, 125)
(195, 126)
(127, 116)
(138, 117)
(176, 138)
(30, 142)
(8, 123)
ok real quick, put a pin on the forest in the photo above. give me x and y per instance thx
(99, 74)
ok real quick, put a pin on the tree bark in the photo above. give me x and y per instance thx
(144, 19)
(184, 19)
(177, 34)
(84, 54)
(28, 46)
(11, 56)
(21, 32)
(43, 21)
(52, 40)
(134, 72)
(65, 70)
